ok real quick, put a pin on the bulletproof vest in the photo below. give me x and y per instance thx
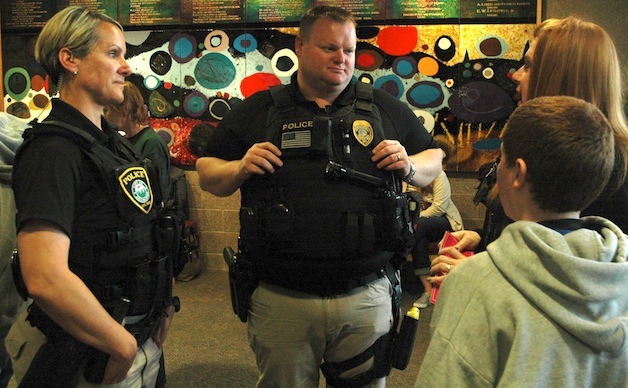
(116, 258)
(328, 202)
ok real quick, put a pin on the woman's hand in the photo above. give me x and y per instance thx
(119, 364)
(448, 258)
(467, 240)
(162, 331)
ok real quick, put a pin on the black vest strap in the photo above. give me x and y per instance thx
(364, 97)
(86, 140)
(284, 103)
(281, 98)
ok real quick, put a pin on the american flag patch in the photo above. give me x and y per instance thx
(296, 139)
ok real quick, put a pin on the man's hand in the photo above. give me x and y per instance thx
(391, 155)
(222, 178)
(260, 159)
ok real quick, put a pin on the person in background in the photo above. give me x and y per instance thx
(316, 233)
(546, 303)
(11, 304)
(576, 58)
(438, 215)
(86, 218)
(131, 117)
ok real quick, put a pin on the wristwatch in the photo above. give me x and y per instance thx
(408, 178)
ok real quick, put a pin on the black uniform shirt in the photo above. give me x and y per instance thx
(245, 125)
(55, 181)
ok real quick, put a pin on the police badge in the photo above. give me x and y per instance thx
(363, 132)
(136, 185)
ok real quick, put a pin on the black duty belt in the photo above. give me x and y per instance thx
(323, 288)
(116, 239)
(143, 330)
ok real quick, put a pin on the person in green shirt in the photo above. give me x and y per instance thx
(131, 117)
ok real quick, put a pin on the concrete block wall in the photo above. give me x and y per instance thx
(217, 219)
(462, 192)
(219, 226)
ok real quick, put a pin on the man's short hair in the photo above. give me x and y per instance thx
(568, 147)
(335, 14)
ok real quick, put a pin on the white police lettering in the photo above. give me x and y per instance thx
(298, 125)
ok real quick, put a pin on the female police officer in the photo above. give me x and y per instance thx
(85, 220)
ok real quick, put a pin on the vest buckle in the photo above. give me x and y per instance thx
(119, 237)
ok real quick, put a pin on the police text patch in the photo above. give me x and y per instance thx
(136, 185)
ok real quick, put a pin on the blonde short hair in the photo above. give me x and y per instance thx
(335, 14)
(74, 28)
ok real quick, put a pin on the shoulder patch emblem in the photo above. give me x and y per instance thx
(363, 132)
(136, 185)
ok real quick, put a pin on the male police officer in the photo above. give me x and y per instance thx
(312, 159)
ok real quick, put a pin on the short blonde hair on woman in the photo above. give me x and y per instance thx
(74, 28)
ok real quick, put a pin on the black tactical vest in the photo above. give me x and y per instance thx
(333, 218)
(116, 259)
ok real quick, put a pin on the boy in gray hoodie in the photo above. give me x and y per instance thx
(546, 303)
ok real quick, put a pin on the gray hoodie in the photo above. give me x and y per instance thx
(538, 308)
(11, 129)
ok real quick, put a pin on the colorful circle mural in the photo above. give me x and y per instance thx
(245, 43)
(17, 83)
(195, 104)
(390, 83)
(216, 41)
(284, 62)
(182, 47)
(214, 71)
(405, 67)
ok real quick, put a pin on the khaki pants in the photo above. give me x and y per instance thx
(23, 342)
(291, 332)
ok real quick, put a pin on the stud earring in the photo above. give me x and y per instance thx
(75, 73)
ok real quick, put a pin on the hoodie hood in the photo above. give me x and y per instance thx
(577, 280)
(11, 130)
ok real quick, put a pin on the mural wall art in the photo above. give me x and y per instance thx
(456, 78)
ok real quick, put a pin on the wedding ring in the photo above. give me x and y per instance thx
(448, 266)
(398, 156)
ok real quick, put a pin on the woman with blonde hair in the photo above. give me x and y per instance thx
(574, 58)
(85, 220)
